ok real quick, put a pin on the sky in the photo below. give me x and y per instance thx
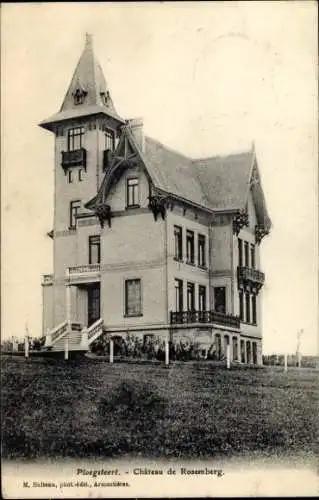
(208, 79)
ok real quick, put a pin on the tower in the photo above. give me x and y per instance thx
(85, 129)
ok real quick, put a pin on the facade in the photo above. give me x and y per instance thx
(147, 240)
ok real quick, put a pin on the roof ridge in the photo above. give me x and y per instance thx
(193, 159)
(214, 157)
(168, 148)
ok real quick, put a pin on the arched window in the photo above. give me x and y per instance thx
(218, 345)
(235, 348)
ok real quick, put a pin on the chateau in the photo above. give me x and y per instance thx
(147, 240)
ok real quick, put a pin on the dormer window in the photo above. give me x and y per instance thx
(105, 96)
(79, 96)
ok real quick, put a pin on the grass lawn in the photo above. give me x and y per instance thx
(91, 408)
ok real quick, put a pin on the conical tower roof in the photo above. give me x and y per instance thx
(88, 92)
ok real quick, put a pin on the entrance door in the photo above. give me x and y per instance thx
(93, 304)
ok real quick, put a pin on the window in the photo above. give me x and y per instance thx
(254, 308)
(75, 138)
(220, 299)
(133, 298)
(218, 344)
(226, 343)
(94, 250)
(252, 256)
(178, 295)
(247, 297)
(132, 192)
(190, 297)
(109, 139)
(178, 243)
(201, 250)
(240, 252)
(80, 173)
(248, 352)
(255, 353)
(202, 298)
(241, 305)
(74, 209)
(105, 97)
(235, 348)
(246, 254)
(242, 351)
(70, 176)
(190, 247)
(79, 96)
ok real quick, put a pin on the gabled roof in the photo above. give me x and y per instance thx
(219, 183)
(88, 81)
(225, 179)
(173, 172)
(216, 183)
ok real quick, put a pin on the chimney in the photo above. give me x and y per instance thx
(136, 127)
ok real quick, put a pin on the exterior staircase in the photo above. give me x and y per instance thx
(72, 336)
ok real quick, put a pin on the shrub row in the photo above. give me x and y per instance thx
(152, 348)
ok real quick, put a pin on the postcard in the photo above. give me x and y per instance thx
(159, 249)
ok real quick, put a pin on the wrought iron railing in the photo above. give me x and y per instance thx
(186, 317)
(250, 274)
(74, 158)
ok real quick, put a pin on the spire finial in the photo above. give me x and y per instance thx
(88, 40)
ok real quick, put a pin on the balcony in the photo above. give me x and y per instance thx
(204, 317)
(248, 277)
(75, 158)
(89, 273)
(47, 279)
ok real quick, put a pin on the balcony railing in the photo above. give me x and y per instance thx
(186, 317)
(249, 274)
(76, 158)
(88, 268)
(84, 274)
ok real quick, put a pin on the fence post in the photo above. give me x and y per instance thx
(111, 351)
(66, 349)
(26, 346)
(166, 352)
(14, 345)
(285, 362)
(68, 302)
(299, 360)
(228, 356)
